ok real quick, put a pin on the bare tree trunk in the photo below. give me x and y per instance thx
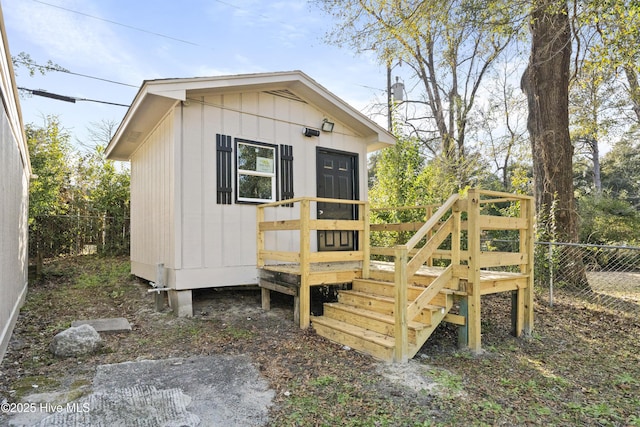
(595, 157)
(546, 84)
(634, 90)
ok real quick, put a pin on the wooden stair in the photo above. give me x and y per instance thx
(363, 318)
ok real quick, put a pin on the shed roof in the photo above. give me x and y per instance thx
(156, 97)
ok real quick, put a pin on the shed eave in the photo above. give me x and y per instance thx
(145, 113)
(156, 97)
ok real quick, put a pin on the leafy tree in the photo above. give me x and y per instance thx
(103, 188)
(594, 98)
(397, 171)
(608, 33)
(50, 153)
(502, 123)
(608, 220)
(70, 183)
(449, 46)
(621, 171)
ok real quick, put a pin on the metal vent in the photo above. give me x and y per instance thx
(285, 93)
(132, 136)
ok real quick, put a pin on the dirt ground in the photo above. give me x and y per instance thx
(581, 366)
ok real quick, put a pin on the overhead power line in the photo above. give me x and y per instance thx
(64, 70)
(142, 30)
(131, 27)
(66, 98)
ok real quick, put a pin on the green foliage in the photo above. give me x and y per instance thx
(71, 184)
(608, 220)
(25, 60)
(614, 26)
(398, 170)
(621, 171)
(449, 46)
(104, 188)
(50, 153)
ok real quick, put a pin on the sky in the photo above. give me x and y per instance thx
(129, 41)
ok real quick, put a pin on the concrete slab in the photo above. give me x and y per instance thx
(112, 325)
(201, 391)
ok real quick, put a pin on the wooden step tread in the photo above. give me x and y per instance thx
(385, 283)
(488, 275)
(356, 331)
(375, 297)
(375, 315)
(386, 299)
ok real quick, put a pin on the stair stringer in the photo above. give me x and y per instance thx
(436, 318)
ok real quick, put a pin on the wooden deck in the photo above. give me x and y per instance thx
(393, 307)
(286, 278)
(344, 272)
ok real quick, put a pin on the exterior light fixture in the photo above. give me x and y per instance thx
(327, 126)
(310, 132)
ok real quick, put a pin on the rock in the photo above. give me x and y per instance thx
(76, 341)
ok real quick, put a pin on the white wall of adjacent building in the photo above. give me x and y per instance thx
(15, 171)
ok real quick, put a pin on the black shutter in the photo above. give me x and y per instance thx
(286, 173)
(223, 169)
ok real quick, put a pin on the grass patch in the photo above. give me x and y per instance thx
(34, 384)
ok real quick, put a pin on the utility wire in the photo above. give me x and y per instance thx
(240, 8)
(65, 98)
(50, 68)
(131, 27)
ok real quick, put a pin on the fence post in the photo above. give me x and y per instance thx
(39, 256)
(550, 252)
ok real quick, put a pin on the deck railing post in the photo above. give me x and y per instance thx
(305, 247)
(527, 246)
(429, 214)
(455, 234)
(401, 350)
(365, 240)
(473, 280)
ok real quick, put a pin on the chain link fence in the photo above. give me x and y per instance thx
(608, 276)
(63, 235)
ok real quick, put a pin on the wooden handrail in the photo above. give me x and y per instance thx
(429, 293)
(502, 195)
(427, 250)
(311, 199)
(431, 222)
(305, 224)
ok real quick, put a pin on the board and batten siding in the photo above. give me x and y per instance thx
(153, 202)
(15, 171)
(217, 242)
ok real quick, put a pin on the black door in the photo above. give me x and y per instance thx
(337, 179)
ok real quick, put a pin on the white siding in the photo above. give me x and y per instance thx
(152, 201)
(14, 209)
(217, 242)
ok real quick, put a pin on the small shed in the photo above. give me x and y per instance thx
(205, 151)
(15, 172)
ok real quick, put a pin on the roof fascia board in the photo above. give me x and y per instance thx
(178, 94)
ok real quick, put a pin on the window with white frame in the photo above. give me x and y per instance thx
(256, 172)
